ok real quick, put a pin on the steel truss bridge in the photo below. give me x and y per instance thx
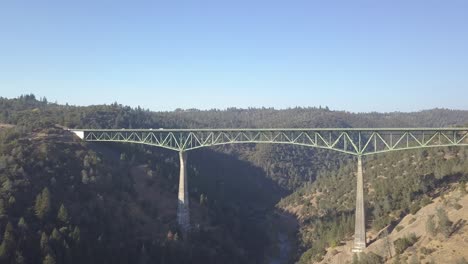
(354, 141)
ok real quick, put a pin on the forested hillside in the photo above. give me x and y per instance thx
(66, 201)
(63, 201)
(396, 184)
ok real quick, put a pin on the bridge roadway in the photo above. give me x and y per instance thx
(354, 141)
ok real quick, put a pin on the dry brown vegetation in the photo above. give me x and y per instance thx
(428, 248)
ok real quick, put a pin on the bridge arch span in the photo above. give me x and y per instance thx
(353, 141)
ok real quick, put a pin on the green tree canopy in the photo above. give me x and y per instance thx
(62, 214)
(43, 203)
(48, 260)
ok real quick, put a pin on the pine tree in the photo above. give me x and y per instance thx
(2, 208)
(76, 234)
(203, 199)
(6, 248)
(55, 235)
(19, 258)
(63, 214)
(48, 260)
(84, 177)
(42, 206)
(22, 224)
(44, 243)
(7, 185)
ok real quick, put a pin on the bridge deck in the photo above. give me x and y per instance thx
(354, 141)
(274, 129)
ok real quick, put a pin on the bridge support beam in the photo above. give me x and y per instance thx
(360, 227)
(183, 215)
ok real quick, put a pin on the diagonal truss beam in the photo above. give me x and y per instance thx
(354, 141)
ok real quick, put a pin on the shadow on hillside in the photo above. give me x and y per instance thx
(237, 197)
(457, 226)
(244, 200)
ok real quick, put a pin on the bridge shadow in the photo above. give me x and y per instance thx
(230, 199)
(242, 199)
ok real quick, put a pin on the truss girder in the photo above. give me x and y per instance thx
(353, 141)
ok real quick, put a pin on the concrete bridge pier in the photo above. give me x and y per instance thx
(360, 227)
(183, 214)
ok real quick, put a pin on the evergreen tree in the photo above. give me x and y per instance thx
(203, 199)
(63, 214)
(44, 242)
(55, 235)
(43, 204)
(7, 185)
(84, 177)
(2, 208)
(22, 224)
(6, 248)
(19, 258)
(48, 260)
(75, 235)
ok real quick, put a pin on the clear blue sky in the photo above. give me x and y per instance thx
(350, 55)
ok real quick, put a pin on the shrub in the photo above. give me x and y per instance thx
(457, 206)
(445, 225)
(431, 226)
(414, 260)
(414, 208)
(403, 243)
(369, 258)
(397, 259)
(425, 201)
(426, 251)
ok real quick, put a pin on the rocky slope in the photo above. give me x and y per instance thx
(435, 247)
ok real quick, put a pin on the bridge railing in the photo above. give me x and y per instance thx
(354, 141)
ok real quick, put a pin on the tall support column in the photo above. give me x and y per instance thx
(183, 215)
(359, 228)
